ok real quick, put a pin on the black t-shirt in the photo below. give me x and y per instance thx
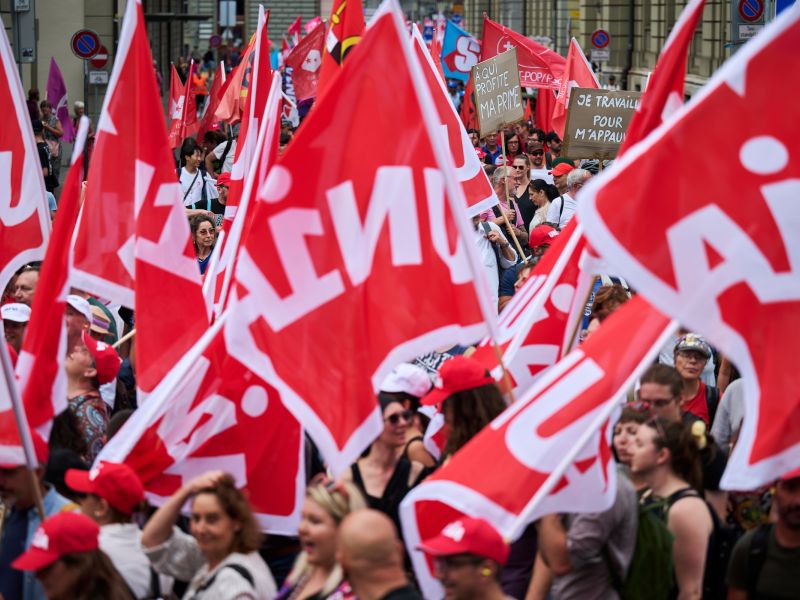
(526, 208)
(404, 593)
(44, 160)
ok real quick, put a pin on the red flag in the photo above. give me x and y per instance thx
(722, 255)
(258, 84)
(40, 367)
(24, 213)
(469, 170)
(664, 93)
(189, 118)
(436, 49)
(547, 453)
(545, 102)
(212, 413)
(469, 116)
(305, 61)
(539, 67)
(143, 231)
(209, 121)
(578, 73)
(345, 28)
(234, 95)
(312, 276)
(177, 101)
(311, 24)
(294, 31)
(528, 114)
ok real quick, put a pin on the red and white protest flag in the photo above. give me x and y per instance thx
(469, 170)
(133, 244)
(721, 255)
(547, 453)
(28, 449)
(293, 32)
(234, 94)
(539, 67)
(40, 367)
(312, 23)
(577, 73)
(177, 101)
(57, 96)
(257, 88)
(24, 213)
(664, 93)
(209, 121)
(220, 271)
(210, 412)
(364, 265)
(305, 61)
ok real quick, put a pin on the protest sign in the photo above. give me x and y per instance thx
(498, 96)
(597, 121)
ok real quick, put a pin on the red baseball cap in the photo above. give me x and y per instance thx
(468, 536)
(224, 179)
(562, 169)
(456, 375)
(116, 483)
(59, 535)
(542, 234)
(106, 359)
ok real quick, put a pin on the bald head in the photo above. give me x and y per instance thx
(368, 541)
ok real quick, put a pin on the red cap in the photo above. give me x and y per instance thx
(61, 534)
(542, 234)
(457, 374)
(224, 179)
(468, 536)
(106, 359)
(562, 169)
(116, 483)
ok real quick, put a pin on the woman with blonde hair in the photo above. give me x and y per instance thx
(316, 575)
(220, 558)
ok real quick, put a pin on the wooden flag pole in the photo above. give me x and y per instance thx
(124, 339)
(502, 212)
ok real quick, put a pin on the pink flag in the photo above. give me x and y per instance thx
(324, 251)
(722, 255)
(311, 24)
(547, 453)
(57, 96)
(664, 93)
(137, 250)
(578, 73)
(24, 214)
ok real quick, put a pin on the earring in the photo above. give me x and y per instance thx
(486, 571)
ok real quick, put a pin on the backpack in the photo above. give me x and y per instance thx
(650, 573)
(712, 402)
(757, 556)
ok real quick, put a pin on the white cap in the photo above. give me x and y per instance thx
(408, 378)
(21, 313)
(81, 305)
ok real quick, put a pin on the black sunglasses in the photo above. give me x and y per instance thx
(406, 415)
(538, 153)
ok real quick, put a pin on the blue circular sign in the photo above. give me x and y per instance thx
(85, 43)
(601, 38)
(751, 10)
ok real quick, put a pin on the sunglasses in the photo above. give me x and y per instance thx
(447, 563)
(538, 153)
(394, 419)
(519, 167)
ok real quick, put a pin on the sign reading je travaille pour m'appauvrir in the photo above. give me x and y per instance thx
(498, 96)
(597, 121)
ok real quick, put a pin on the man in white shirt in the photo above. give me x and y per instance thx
(489, 237)
(559, 215)
(538, 168)
(217, 153)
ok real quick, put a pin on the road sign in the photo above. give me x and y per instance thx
(601, 38)
(215, 41)
(85, 43)
(100, 60)
(98, 77)
(600, 55)
(751, 10)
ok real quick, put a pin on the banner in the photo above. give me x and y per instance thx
(460, 52)
(722, 255)
(498, 95)
(597, 121)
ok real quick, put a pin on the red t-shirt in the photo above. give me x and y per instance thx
(698, 405)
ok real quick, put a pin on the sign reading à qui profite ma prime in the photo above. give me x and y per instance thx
(597, 121)
(498, 96)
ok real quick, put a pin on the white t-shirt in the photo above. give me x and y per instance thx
(217, 152)
(194, 185)
(541, 174)
(120, 541)
(566, 215)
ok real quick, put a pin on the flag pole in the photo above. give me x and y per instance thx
(124, 339)
(454, 191)
(24, 431)
(505, 218)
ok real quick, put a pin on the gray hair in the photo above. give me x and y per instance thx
(499, 173)
(78, 104)
(577, 176)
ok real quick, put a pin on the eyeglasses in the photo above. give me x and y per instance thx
(394, 419)
(519, 167)
(449, 563)
(538, 153)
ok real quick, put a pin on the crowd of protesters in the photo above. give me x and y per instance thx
(100, 539)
